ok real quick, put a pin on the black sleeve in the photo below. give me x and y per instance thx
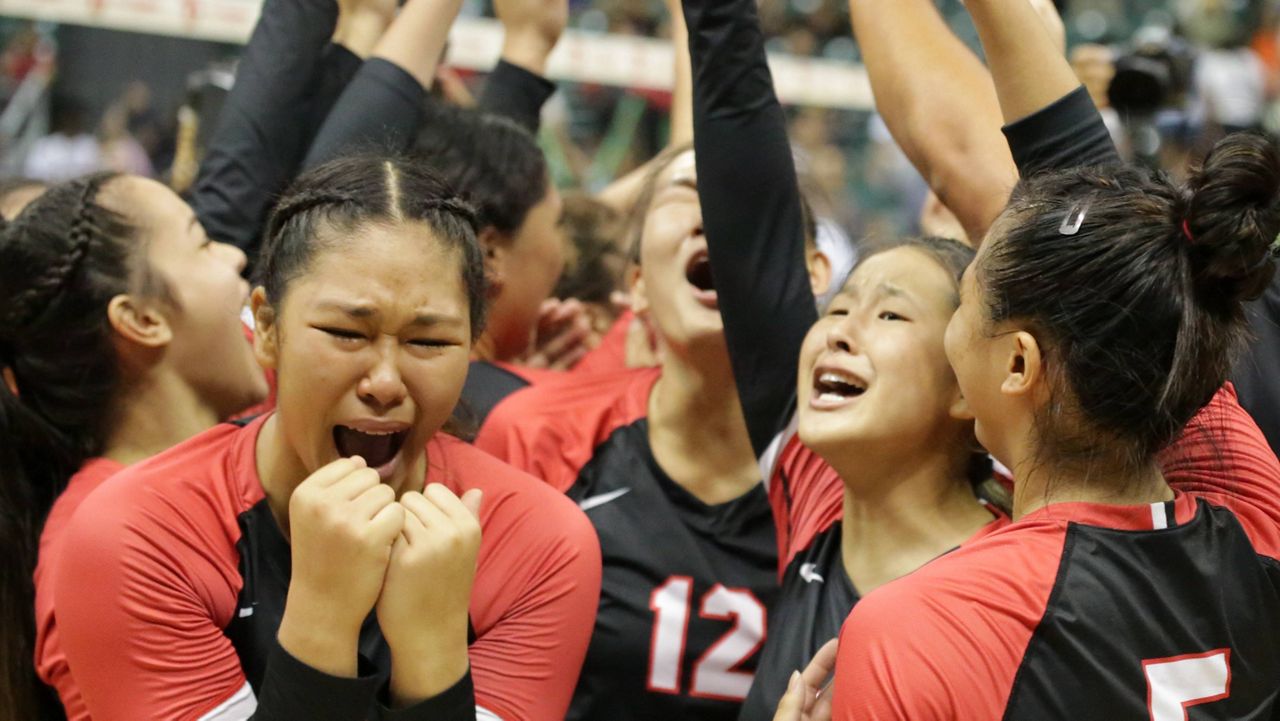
(383, 108)
(257, 144)
(458, 703)
(337, 69)
(516, 93)
(1066, 134)
(751, 209)
(1256, 377)
(293, 690)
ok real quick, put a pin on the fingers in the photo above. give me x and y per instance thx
(354, 484)
(450, 505)
(822, 666)
(372, 501)
(472, 500)
(791, 707)
(387, 524)
(426, 511)
(336, 471)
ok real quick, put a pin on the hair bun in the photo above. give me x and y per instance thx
(1233, 216)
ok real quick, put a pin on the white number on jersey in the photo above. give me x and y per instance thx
(1177, 682)
(716, 673)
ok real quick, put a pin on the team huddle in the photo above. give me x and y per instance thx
(1004, 475)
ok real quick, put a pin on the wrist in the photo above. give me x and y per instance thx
(428, 667)
(360, 30)
(324, 647)
(528, 49)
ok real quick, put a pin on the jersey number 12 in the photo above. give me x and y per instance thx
(716, 673)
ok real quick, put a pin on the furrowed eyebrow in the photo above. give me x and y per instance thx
(362, 312)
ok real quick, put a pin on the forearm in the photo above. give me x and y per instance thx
(515, 92)
(1029, 71)
(360, 30)
(751, 208)
(939, 104)
(415, 41)
(432, 664)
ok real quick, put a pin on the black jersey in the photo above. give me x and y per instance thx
(686, 585)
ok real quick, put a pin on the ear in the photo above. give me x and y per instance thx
(496, 257)
(819, 272)
(1024, 370)
(635, 284)
(138, 322)
(266, 330)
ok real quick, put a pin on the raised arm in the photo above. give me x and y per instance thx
(256, 147)
(751, 209)
(518, 87)
(1051, 122)
(384, 105)
(940, 105)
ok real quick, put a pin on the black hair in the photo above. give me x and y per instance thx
(13, 186)
(61, 262)
(492, 161)
(1134, 288)
(325, 205)
(954, 257)
(596, 262)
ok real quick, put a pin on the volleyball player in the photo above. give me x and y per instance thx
(1121, 589)
(261, 550)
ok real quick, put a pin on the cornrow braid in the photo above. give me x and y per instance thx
(303, 203)
(28, 304)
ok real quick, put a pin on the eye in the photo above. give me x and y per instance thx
(431, 343)
(837, 312)
(890, 315)
(342, 333)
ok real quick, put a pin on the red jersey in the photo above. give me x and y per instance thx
(51, 662)
(1083, 610)
(188, 572)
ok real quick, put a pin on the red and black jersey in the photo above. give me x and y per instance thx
(169, 606)
(51, 662)
(1083, 610)
(686, 585)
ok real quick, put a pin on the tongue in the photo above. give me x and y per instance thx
(376, 450)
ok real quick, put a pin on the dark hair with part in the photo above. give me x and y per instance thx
(327, 205)
(1134, 288)
(62, 260)
(494, 163)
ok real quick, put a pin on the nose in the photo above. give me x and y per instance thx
(382, 387)
(840, 336)
(234, 255)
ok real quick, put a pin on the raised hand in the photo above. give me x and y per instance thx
(362, 22)
(342, 523)
(423, 607)
(533, 28)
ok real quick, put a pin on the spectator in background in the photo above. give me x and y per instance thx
(121, 151)
(1231, 86)
(69, 151)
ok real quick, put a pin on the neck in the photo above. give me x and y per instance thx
(899, 516)
(1038, 485)
(484, 349)
(155, 413)
(697, 431)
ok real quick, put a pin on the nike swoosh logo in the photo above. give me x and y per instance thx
(587, 504)
(807, 573)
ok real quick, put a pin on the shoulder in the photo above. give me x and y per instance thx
(551, 429)
(946, 641)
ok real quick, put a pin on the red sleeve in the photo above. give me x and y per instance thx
(1223, 458)
(946, 641)
(537, 448)
(806, 495)
(536, 591)
(611, 354)
(137, 598)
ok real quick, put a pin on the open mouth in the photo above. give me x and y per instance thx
(835, 387)
(377, 448)
(698, 273)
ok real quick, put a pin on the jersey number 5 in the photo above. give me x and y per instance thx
(1177, 682)
(716, 673)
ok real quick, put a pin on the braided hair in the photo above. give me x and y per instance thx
(61, 261)
(326, 204)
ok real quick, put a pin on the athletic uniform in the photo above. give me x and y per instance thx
(686, 584)
(1086, 611)
(51, 663)
(170, 604)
